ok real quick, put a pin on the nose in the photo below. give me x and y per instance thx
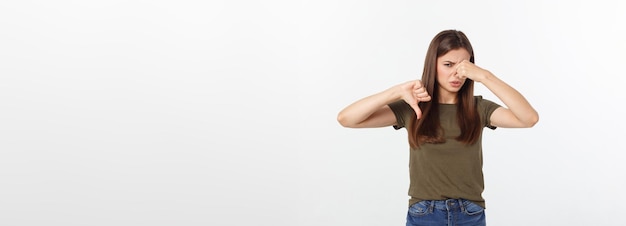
(455, 73)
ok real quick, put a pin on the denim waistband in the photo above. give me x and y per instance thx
(449, 204)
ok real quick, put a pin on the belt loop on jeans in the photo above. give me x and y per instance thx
(461, 204)
(432, 205)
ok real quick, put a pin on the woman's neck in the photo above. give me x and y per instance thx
(447, 98)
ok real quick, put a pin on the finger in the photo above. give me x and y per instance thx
(457, 70)
(421, 95)
(419, 91)
(424, 98)
(461, 72)
(417, 85)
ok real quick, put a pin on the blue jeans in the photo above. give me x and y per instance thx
(451, 212)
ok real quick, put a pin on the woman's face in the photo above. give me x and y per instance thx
(447, 79)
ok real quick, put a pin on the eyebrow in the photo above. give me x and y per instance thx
(447, 61)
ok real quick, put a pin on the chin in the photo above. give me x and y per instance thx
(453, 89)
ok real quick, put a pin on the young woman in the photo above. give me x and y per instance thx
(444, 121)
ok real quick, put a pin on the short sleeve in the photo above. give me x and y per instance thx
(485, 109)
(403, 113)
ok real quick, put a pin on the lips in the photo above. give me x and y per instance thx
(456, 84)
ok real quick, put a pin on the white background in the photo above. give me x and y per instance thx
(223, 112)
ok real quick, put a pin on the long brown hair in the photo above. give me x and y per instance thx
(428, 128)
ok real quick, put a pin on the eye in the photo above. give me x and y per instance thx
(447, 64)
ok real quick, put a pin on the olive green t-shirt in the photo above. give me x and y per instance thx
(450, 170)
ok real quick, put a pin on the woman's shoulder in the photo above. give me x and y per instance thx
(487, 104)
(479, 99)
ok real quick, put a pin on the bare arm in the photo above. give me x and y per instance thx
(518, 112)
(373, 111)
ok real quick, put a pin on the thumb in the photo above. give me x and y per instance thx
(416, 108)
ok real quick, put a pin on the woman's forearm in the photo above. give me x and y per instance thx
(359, 111)
(513, 99)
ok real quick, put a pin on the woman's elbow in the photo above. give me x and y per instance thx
(344, 121)
(532, 121)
